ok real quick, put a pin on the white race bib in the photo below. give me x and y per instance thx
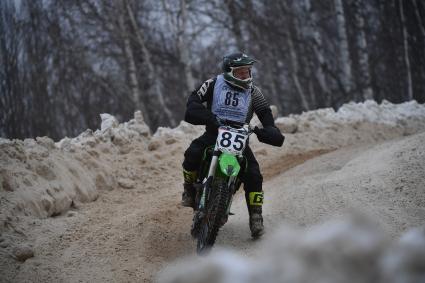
(231, 140)
(230, 103)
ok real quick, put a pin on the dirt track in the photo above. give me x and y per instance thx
(104, 206)
(128, 235)
(124, 236)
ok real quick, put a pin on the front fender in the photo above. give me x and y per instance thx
(229, 165)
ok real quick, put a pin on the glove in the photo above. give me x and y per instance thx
(257, 131)
(214, 123)
(269, 135)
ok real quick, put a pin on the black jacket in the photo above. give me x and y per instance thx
(198, 114)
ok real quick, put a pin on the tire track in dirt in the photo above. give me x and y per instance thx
(277, 166)
(170, 235)
(129, 235)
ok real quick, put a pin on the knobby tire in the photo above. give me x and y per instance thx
(211, 223)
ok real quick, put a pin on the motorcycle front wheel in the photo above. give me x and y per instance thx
(212, 221)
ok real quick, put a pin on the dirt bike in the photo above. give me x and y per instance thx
(218, 181)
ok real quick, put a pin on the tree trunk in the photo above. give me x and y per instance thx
(132, 71)
(315, 39)
(363, 55)
(294, 74)
(235, 20)
(344, 53)
(183, 47)
(294, 60)
(406, 52)
(152, 76)
(419, 19)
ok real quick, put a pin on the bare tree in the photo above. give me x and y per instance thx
(406, 52)
(64, 62)
(131, 69)
(235, 17)
(12, 102)
(419, 18)
(178, 22)
(315, 40)
(151, 71)
(37, 64)
(362, 51)
(344, 53)
(183, 45)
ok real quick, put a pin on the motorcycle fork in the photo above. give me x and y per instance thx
(207, 182)
(231, 186)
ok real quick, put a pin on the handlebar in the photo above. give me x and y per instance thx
(237, 125)
(227, 122)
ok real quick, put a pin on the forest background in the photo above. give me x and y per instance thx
(62, 63)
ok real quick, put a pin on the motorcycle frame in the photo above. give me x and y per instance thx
(212, 171)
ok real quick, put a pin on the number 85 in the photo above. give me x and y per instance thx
(226, 141)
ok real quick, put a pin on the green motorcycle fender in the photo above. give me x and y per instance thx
(229, 165)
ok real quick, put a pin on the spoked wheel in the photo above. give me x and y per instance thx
(203, 245)
(212, 221)
(196, 224)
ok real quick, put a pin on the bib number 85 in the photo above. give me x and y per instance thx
(231, 141)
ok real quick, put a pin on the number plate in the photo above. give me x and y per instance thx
(231, 140)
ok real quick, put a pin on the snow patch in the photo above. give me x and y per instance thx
(349, 249)
(43, 178)
(108, 122)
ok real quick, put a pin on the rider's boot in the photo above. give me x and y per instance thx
(189, 192)
(256, 222)
(255, 202)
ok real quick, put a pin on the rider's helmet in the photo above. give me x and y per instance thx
(234, 61)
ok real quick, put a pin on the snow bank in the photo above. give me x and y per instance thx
(42, 178)
(326, 129)
(342, 250)
(110, 131)
(353, 123)
(407, 114)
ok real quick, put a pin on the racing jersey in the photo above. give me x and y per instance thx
(226, 102)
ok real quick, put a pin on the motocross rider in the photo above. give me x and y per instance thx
(230, 96)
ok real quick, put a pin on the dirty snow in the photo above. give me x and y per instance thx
(44, 185)
(348, 249)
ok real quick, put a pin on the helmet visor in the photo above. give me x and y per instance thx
(243, 73)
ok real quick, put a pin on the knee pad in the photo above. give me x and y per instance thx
(189, 176)
(192, 160)
(255, 198)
